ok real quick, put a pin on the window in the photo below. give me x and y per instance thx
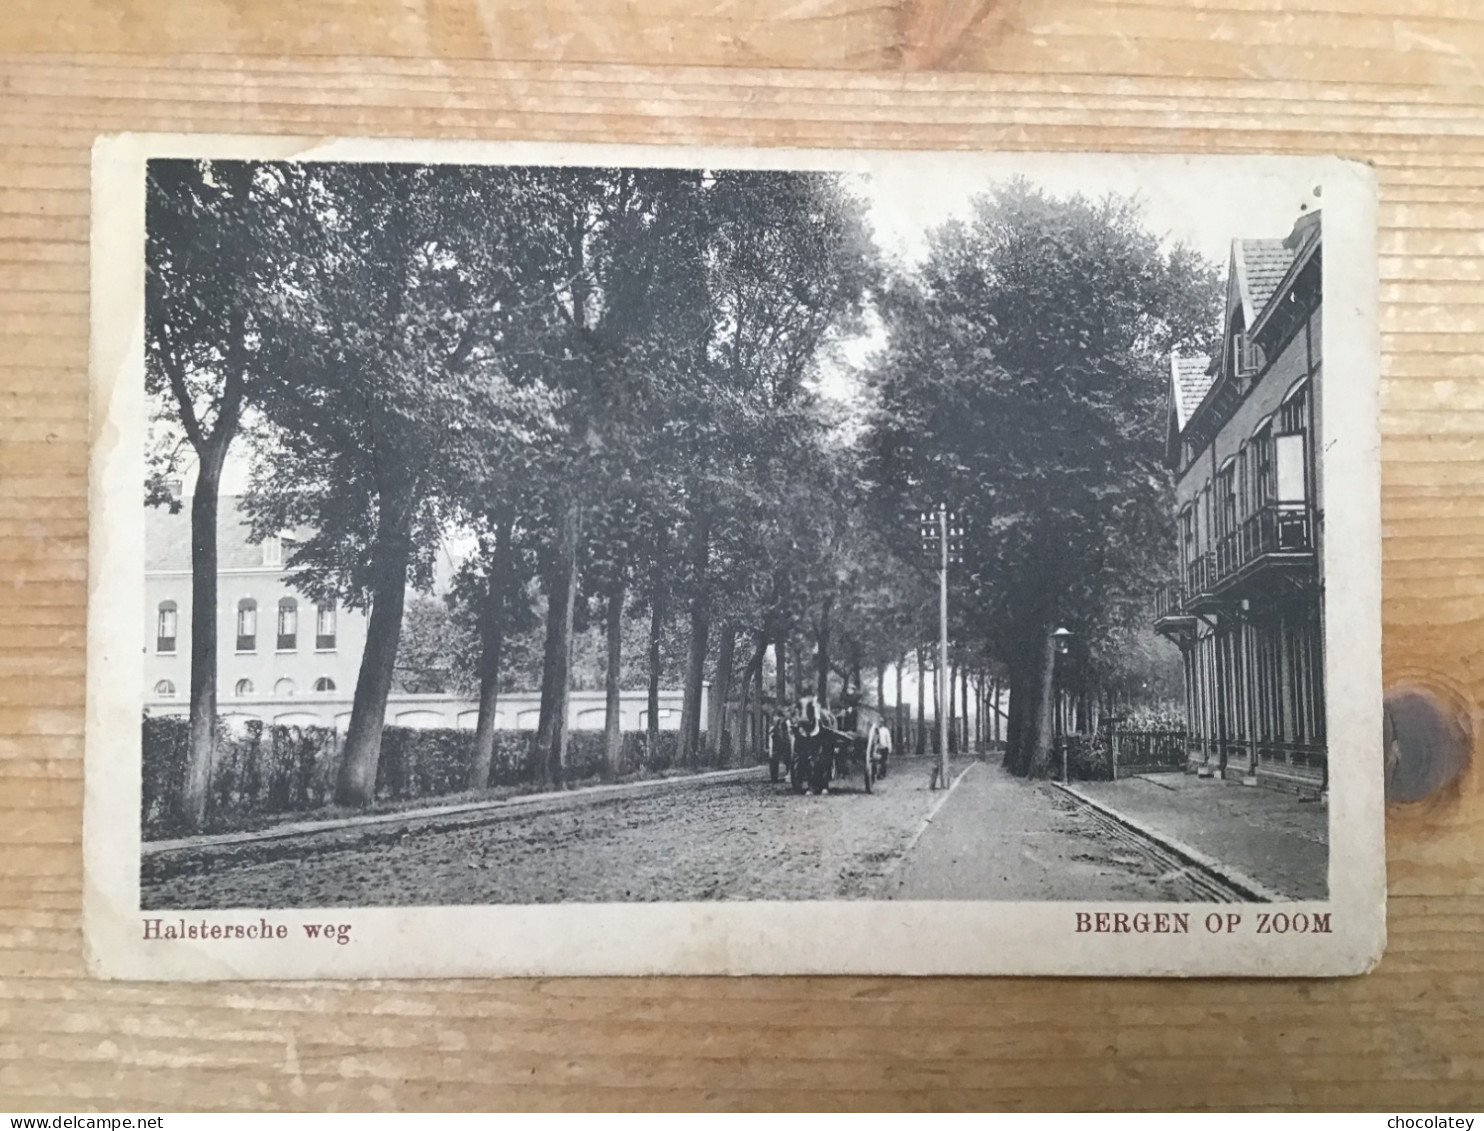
(247, 625)
(1207, 523)
(243, 689)
(1290, 450)
(1292, 446)
(272, 552)
(324, 683)
(1262, 469)
(1244, 488)
(1226, 498)
(288, 624)
(165, 627)
(284, 687)
(324, 628)
(164, 690)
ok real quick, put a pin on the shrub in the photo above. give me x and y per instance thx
(1089, 757)
(267, 770)
(162, 772)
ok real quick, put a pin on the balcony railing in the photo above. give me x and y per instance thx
(1169, 600)
(1200, 574)
(1278, 528)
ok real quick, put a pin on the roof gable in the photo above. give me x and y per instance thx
(167, 538)
(1190, 381)
(1257, 267)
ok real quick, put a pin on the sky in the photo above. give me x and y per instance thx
(1203, 203)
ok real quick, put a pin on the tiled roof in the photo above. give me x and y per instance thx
(1262, 265)
(167, 538)
(1191, 378)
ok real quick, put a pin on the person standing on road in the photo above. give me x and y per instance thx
(883, 745)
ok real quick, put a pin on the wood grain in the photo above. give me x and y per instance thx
(1393, 82)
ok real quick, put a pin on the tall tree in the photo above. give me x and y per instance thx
(214, 233)
(1024, 383)
(633, 322)
(407, 316)
(789, 264)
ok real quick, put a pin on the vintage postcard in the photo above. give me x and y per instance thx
(526, 559)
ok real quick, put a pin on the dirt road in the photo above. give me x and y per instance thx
(740, 840)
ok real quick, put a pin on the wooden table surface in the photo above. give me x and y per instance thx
(1393, 82)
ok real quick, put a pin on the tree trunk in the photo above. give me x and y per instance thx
(963, 698)
(612, 720)
(780, 658)
(978, 712)
(937, 710)
(921, 705)
(492, 645)
(741, 734)
(999, 719)
(822, 655)
(556, 669)
(390, 553)
(1015, 757)
(899, 739)
(201, 755)
(1039, 740)
(700, 640)
(952, 709)
(656, 625)
(721, 692)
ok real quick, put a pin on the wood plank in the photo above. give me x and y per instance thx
(1388, 81)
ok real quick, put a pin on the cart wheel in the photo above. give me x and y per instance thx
(773, 770)
(870, 774)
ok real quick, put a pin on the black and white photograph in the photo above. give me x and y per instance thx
(561, 559)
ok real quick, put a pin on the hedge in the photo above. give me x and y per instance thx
(263, 771)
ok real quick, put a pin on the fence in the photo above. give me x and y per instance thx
(1115, 753)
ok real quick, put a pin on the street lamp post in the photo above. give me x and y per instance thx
(1059, 640)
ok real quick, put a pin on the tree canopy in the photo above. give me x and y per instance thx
(605, 384)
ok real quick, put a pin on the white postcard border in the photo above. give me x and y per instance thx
(857, 937)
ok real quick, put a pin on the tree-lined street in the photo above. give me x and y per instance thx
(995, 837)
(606, 386)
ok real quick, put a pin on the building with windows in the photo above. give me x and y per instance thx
(281, 657)
(287, 660)
(1247, 609)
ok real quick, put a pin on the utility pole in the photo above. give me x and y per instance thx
(943, 645)
(944, 530)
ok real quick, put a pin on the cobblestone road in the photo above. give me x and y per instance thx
(743, 840)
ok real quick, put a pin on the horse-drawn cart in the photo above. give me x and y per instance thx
(818, 748)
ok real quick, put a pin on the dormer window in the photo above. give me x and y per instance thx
(273, 553)
(1248, 355)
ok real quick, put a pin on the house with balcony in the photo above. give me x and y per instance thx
(1244, 437)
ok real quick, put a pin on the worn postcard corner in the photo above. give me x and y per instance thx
(540, 560)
